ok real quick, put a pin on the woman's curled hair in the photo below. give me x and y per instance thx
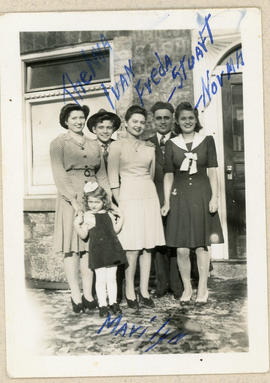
(133, 110)
(186, 106)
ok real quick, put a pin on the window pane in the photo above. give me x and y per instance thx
(45, 127)
(49, 73)
(237, 118)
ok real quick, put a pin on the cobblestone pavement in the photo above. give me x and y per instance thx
(219, 326)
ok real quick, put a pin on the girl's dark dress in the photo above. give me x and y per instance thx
(189, 222)
(105, 249)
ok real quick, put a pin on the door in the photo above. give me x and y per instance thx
(233, 131)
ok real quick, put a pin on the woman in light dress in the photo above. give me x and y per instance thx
(131, 166)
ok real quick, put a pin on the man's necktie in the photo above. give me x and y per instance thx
(162, 143)
(105, 154)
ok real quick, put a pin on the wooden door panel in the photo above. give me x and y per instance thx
(234, 155)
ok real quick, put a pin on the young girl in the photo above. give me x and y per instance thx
(105, 250)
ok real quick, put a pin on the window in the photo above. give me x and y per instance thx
(48, 74)
(43, 95)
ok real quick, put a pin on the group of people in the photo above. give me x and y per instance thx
(128, 199)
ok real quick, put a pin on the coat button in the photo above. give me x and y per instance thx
(85, 156)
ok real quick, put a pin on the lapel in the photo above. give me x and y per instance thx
(159, 155)
(159, 151)
(154, 139)
(180, 142)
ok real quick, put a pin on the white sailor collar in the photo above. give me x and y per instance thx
(180, 142)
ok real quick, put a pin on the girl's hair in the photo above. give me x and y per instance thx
(135, 109)
(186, 106)
(100, 194)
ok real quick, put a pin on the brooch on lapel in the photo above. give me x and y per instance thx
(174, 192)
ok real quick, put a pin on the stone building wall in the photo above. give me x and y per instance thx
(140, 46)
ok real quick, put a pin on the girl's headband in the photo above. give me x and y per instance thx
(90, 187)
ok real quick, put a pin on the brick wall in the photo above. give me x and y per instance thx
(40, 260)
(140, 46)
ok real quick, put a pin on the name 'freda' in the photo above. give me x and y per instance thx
(163, 66)
(160, 70)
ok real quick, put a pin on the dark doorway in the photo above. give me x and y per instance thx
(234, 160)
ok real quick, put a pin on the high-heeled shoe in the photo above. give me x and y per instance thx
(148, 302)
(132, 303)
(185, 300)
(90, 305)
(77, 308)
(203, 301)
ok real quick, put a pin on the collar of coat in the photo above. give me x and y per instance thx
(180, 142)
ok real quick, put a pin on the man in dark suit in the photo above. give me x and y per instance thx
(165, 261)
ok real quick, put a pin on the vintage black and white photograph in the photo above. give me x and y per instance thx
(134, 212)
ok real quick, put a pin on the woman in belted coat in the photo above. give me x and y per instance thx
(75, 160)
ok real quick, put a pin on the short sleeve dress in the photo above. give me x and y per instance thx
(73, 165)
(189, 222)
(131, 166)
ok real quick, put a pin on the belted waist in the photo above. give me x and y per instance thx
(87, 172)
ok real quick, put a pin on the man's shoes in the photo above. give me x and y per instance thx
(160, 294)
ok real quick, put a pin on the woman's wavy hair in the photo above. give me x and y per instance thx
(186, 106)
(135, 109)
(99, 193)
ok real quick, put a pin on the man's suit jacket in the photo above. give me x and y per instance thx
(159, 170)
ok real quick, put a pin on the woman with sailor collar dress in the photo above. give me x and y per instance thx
(191, 198)
(75, 160)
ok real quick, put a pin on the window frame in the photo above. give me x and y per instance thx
(34, 193)
(76, 54)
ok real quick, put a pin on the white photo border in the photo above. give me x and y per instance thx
(21, 362)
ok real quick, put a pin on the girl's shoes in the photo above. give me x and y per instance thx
(133, 304)
(115, 309)
(147, 302)
(77, 308)
(90, 305)
(103, 311)
(203, 301)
